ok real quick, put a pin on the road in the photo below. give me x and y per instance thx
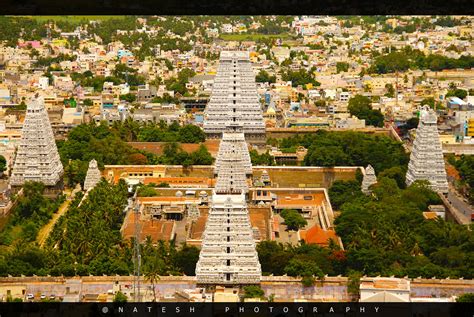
(46, 230)
(457, 202)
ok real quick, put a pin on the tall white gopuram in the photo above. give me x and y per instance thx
(228, 255)
(37, 157)
(234, 98)
(426, 159)
(93, 175)
(369, 179)
(233, 162)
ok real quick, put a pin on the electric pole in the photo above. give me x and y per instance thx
(136, 252)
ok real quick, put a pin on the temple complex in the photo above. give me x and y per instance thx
(228, 254)
(426, 159)
(368, 180)
(93, 175)
(37, 157)
(234, 98)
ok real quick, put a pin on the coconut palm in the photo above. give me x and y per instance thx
(153, 267)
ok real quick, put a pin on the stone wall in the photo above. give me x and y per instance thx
(283, 287)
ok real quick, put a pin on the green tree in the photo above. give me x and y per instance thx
(353, 284)
(390, 91)
(128, 97)
(201, 156)
(3, 164)
(397, 173)
(264, 77)
(186, 259)
(273, 257)
(153, 267)
(265, 159)
(300, 78)
(253, 291)
(191, 134)
(304, 269)
(342, 67)
(293, 219)
(460, 93)
(466, 298)
(341, 191)
(87, 102)
(360, 106)
(146, 191)
(326, 156)
(120, 297)
(465, 167)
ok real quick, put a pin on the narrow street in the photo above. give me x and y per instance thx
(463, 209)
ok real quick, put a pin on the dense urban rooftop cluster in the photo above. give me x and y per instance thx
(239, 150)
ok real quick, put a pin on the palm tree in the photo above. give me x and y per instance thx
(152, 268)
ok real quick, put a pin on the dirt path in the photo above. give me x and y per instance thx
(43, 234)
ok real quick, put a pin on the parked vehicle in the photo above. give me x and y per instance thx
(30, 296)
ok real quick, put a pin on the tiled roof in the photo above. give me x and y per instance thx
(156, 229)
(316, 235)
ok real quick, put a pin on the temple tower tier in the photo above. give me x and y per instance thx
(426, 159)
(93, 175)
(368, 180)
(234, 98)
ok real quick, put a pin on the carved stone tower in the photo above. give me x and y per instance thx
(426, 159)
(37, 157)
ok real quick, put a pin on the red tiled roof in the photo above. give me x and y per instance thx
(156, 229)
(316, 235)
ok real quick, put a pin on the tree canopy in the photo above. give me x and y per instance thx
(293, 219)
(3, 164)
(409, 58)
(465, 167)
(264, 77)
(107, 144)
(348, 148)
(361, 107)
(299, 78)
